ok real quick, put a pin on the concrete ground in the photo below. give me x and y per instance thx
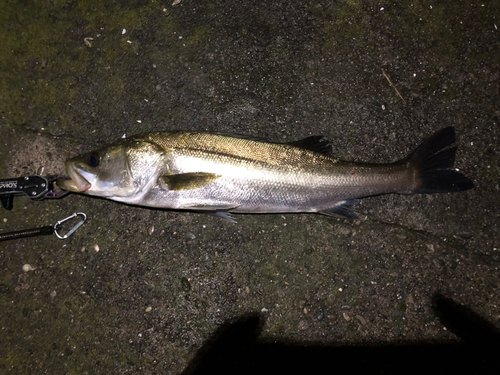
(376, 78)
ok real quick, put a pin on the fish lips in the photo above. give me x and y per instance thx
(77, 182)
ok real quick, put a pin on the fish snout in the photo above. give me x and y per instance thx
(76, 182)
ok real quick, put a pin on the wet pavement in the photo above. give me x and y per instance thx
(141, 290)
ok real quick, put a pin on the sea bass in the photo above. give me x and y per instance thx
(222, 174)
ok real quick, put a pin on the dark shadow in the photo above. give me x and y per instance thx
(466, 324)
(236, 349)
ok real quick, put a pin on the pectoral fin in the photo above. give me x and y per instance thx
(188, 181)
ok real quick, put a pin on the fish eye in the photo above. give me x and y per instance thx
(93, 160)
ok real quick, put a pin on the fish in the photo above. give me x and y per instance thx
(221, 174)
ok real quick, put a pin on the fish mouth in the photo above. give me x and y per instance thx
(77, 183)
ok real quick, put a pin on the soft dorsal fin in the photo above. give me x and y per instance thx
(188, 181)
(316, 143)
(243, 136)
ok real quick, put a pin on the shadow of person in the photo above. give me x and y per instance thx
(235, 348)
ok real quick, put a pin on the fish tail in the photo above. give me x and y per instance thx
(433, 161)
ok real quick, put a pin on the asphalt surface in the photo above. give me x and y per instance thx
(413, 286)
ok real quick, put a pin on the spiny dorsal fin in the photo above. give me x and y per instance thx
(188, 181)
(316, 143)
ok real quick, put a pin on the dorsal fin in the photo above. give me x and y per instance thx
(316, 143)
(243, 136)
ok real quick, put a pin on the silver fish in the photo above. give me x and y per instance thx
(222, 174)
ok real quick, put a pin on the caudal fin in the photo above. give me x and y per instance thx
(433, 163)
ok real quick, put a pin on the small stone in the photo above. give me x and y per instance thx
(53, 294)
(88, 41)
(346, 317)
(27, 267)
(149, 308)
(306, 311)
(361, 319)
(176, 2)
(96, 248)
(247, 290)
(190, 235)
(151, 229)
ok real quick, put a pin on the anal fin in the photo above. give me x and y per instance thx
(223, 215)
(343, 209)
(220, 211)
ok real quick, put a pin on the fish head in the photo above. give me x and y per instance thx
(120, 170)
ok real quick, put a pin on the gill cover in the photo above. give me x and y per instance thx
(122, 169)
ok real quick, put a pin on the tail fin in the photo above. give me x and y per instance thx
(433, 162)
